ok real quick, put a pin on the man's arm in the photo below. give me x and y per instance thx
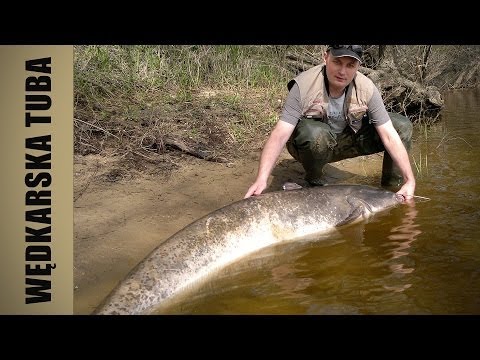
(273, 147)
(393, 144)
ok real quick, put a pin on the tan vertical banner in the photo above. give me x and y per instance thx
(36, 241)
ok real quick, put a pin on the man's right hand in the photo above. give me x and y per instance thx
(256, 188)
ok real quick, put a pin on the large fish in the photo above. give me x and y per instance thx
(188, 257)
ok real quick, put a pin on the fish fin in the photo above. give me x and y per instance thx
(291, 186)
(357, 210)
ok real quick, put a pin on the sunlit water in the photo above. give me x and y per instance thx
(420, 259)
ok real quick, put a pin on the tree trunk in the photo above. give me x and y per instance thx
(422, 68)
(381, 54)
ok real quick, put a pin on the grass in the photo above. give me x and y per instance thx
(221, 97)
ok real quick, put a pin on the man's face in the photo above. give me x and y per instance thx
(340, 70)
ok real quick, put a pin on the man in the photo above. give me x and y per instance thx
(334, 112)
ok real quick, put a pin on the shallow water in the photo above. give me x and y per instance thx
(420, 259)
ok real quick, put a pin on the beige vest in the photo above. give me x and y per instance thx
(314, 97)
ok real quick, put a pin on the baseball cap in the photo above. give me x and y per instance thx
(355, 51)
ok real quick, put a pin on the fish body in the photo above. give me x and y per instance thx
(230, 233)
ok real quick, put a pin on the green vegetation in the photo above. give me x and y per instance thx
(133, 99)
(216, 102)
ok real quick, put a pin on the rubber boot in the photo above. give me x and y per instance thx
(311, 144)
(313, 168)
(391, 174)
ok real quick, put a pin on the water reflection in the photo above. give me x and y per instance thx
(290, 281)
(400, 241)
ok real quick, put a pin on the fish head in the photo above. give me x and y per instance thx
(374, 199)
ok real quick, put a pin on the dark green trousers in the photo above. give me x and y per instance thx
(314, 144)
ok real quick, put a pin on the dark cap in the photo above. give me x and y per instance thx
(355, 51)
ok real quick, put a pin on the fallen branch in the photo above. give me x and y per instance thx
(199, 153)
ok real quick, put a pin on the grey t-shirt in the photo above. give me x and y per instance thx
(292, 110)
(335, 117)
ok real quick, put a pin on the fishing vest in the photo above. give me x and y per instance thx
(314, 97)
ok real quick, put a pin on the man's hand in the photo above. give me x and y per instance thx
(274, 145)
(407, 191)
(256, 188)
